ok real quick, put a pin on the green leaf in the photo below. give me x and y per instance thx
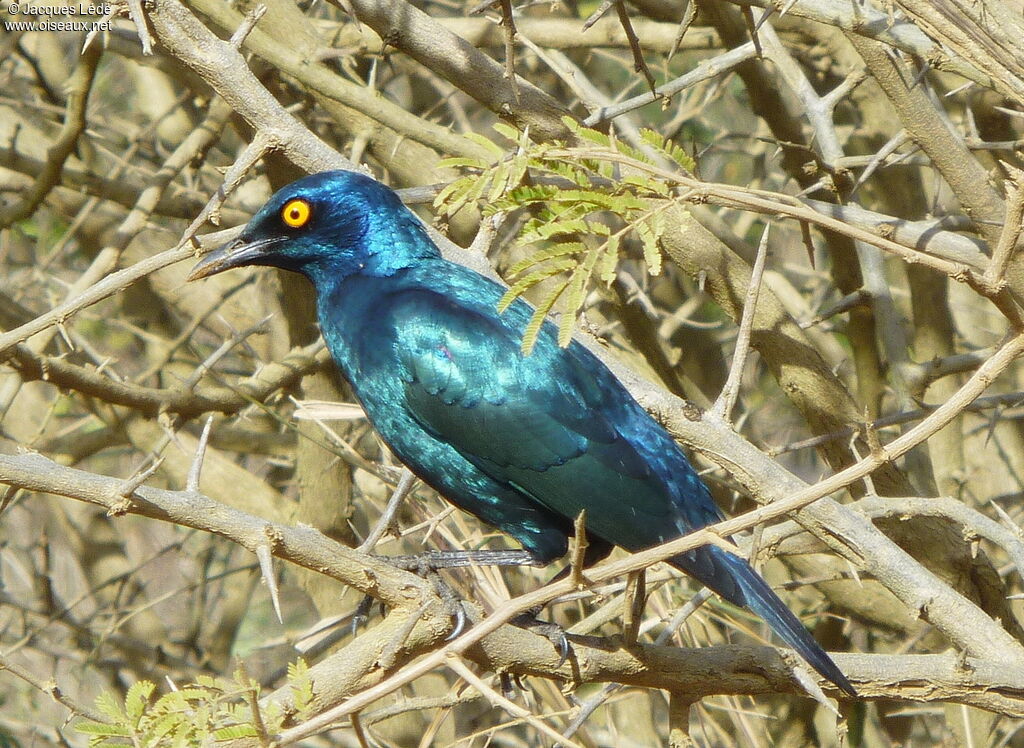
(164, 725)
(520, 286)
(517, 171)
(453, 196)
(487, 143)
(609, 259)
(506, 131)
(561, 249)
(99, 728)
(560, 227)
(627, 150)
(594, 136)
(575, 295)
(499, 180)
(647, 184)
(137, 699)
(650, 230)
(462, 161)
(569, 171)
(302, 687)
(188, 694)
(533, 328)
(668, 149)
(562, 219)
(234, 732)
(110, 706)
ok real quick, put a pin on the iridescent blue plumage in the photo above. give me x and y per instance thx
(523, 443)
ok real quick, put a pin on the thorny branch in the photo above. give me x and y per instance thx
(907, 118)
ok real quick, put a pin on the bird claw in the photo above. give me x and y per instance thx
(459, 616)
(448, 596)
(510, 683)
(362, 613)
(549, 630)
(426, 565)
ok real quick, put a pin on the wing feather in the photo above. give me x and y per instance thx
(568, 446)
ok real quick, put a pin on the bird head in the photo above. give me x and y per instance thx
(333, 224)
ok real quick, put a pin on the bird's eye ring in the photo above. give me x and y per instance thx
(296, 213)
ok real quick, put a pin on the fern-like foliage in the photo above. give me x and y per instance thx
(586, 201)
(206, 712)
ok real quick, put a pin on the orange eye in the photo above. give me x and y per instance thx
(295, 213)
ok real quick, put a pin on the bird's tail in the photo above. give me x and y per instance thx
(736, 581)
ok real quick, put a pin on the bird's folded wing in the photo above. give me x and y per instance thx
(555, 424)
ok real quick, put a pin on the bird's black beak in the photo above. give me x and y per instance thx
(233, 254)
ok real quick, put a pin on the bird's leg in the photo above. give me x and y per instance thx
(428, 563)
(451, 600)
(550, 630)
(434, 560)
(586, 552)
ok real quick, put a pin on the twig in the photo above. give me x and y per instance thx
(1009, 238)
(706, 69)
(51, 689)
(727, 399)
(598, 13)
(499, 701)
(152, 400)
(79, 86)
(387, 517)
(252, 17)
(633, 606)
(761, 201)
(224, 68)
(127, 489)
(935, 135)
(579, 550)
(689, 16)
(196, 469)
(303, 545)
(223, 349)
(110, 285)
(357, 728)
(970, 520)
(639, 63)
(264, 553)
(679, 717)
(508, 23)
(872, 23)
(139, 19)
(450, 56)
(858, 298)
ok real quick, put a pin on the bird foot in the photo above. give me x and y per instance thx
(510, 683)
(362, 613)
(426, 565)
(549, 630)
(448, 596)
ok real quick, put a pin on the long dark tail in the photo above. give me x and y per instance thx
(736, 581)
